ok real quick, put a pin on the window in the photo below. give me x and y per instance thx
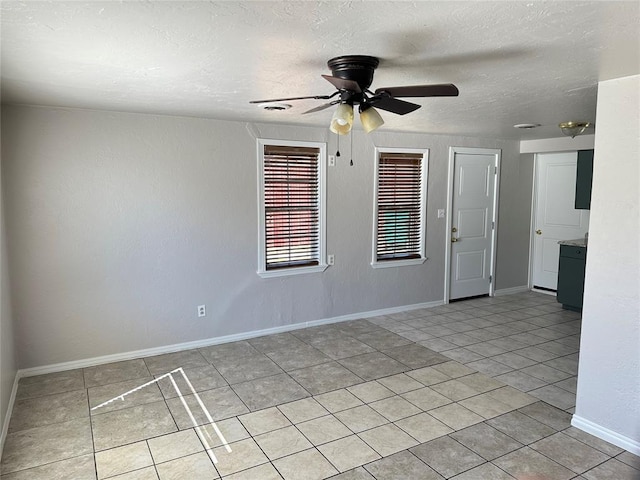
(291, 207)
(400, 200)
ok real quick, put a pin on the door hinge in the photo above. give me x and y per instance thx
(493, 225)
(490, 278)
(495, 170)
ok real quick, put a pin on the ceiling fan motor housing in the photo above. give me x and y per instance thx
(358, 68)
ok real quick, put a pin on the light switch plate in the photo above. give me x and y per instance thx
(441, 213)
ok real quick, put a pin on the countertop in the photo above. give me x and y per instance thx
(578, 242)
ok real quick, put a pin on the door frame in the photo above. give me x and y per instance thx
(497, 153)
(534, 207)
(534, 210)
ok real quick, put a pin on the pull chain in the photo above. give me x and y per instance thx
(351, 155)
(338, 148)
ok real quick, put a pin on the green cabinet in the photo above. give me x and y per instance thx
(571, 276)
(584, 177)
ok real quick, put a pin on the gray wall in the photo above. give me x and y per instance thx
(120, 224)
(7, 358)
(514, 221)
(608, 398)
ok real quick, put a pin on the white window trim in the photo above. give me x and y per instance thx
(322, 183)
(423, 209)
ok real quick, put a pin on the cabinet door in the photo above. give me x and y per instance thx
(571, 281)
(584, 177)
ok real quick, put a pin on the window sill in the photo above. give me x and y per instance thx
(399, 263)
(285, 272)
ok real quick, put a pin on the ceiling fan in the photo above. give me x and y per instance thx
(352, 75)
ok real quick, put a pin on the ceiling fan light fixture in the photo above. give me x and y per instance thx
(573, 129)
(342, 119)
(370, 119)
(352, 75)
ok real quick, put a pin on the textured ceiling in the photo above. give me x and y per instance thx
(514, 62)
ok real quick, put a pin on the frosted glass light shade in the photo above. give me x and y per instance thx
(342, 120)
(572, 129)
(370, 119)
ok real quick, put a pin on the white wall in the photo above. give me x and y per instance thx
(608, 400)
(559, 144)
(120, 224)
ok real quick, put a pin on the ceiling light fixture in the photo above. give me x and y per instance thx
(370, 118)
(342, 120)
(573, 129)
(526, 126)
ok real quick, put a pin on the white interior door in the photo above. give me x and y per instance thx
(555, 217)
(472, 223)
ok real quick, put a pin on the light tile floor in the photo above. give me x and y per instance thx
(476, 390)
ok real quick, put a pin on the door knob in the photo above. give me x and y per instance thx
(538, 232)
(454, 239)
(454, 230)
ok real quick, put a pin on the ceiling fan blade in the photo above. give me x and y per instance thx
(441, 90)
(342, 83)
(315, 97)
(393, 105)
(321, 107)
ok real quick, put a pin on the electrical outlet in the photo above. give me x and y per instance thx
(202, 310)
(332, 160)
(331, 259)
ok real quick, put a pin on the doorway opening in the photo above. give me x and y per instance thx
(554, 216)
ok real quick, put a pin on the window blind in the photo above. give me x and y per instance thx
(291, 203)
(399, 215)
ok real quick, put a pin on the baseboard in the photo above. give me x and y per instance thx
(148, 352)
(7, 416)
(511, 291)
(118, 357)
(373, 313)
(603, 433)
